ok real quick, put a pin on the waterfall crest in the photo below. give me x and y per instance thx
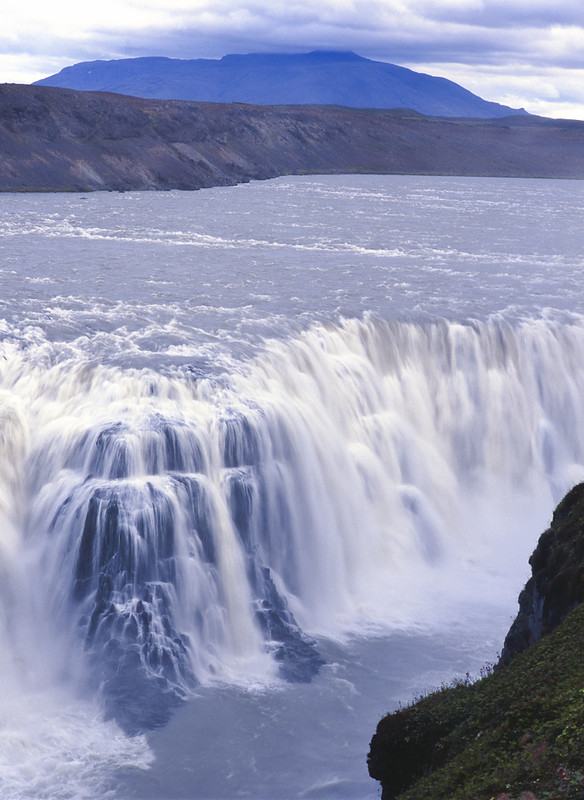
(165, 531)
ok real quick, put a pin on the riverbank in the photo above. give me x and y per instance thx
(63, 140)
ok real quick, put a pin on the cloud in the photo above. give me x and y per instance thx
(464, 37)
(548, 92)
(442, 26)
(501, 14)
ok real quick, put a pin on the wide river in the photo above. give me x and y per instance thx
(273, 459)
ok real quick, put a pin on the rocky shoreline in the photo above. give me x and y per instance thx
(55, 139)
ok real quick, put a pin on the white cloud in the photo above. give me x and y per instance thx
(548, 92)
(26, 68)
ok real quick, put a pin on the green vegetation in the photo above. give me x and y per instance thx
(518, 730)
(517, 734)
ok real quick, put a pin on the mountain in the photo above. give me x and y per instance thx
(319, 78)
(61, 140)
(518, 733)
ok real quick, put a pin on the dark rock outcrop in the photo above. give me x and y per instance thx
(63, 140)
(556, 585)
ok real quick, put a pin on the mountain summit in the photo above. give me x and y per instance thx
(318, 78)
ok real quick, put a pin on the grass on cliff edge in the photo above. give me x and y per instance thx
(517, 732)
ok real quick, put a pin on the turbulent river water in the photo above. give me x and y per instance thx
(273, 458)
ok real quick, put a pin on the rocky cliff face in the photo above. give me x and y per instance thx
(556, 585)
(518, 733)
(62, 140)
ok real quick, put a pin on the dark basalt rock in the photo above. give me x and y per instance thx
(556, 585)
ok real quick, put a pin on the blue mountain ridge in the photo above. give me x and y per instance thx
(317, 78)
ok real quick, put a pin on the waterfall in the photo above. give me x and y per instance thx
(163, 530)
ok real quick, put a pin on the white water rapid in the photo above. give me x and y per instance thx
(159, 532)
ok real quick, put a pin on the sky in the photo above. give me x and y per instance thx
(523, 53)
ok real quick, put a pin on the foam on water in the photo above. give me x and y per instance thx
(53, 745)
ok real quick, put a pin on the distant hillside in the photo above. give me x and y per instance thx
(61, 140)
(320, 78)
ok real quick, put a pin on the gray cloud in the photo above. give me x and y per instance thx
(465, 32)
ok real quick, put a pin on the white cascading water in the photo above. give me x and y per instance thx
(161, 531)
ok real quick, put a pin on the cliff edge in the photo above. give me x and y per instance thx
(518, 733)
(556, 585)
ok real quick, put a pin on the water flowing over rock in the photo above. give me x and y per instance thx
(175, 527)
